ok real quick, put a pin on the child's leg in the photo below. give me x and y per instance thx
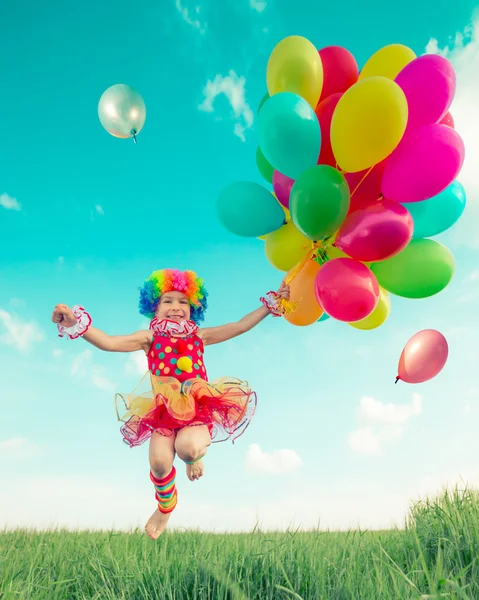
(191, 444)
(162, 475)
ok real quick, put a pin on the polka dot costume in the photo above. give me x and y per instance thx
(165, 353)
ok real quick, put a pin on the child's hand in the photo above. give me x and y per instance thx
(63, 316)
(283, 291)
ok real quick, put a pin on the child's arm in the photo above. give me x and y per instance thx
(215, 335)
(66, 319)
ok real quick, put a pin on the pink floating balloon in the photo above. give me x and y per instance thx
(423, 357)
(429, 84)
(282, 187)
(346, 289)
(427, 160)
(377, 232)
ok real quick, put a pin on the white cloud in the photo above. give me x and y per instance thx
(19, 334)
(137, 363)
(258, 5)
(463, 52)
(18, 448)
(278, 462)
(57, 352)
(233, 87)
(83, 368)
(381, 424)
(99, 209)
(9, 203)
(191, 15)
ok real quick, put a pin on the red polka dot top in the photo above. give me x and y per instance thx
(176, 350)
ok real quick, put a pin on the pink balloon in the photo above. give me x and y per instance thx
(423, 357)
(426, 161)
(346, 289)
(429, 84)
(282, 187)
(377, 232)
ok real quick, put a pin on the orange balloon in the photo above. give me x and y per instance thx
(301, 290)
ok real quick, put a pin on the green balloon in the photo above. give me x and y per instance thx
(263, 100)
(422, 269)
(319, 201)
(264, 167)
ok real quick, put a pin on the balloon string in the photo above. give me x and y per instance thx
(363, 178)
(287, 305)
(133, 133)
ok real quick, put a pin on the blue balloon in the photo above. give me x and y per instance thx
(249, 209)
(436, 214)
(323, 317)
(289, 134)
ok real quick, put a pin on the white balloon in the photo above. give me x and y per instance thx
(122, 111)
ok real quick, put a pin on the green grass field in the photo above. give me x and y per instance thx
(435, 556)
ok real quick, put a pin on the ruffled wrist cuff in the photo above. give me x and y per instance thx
(81, 326)
(272, 303)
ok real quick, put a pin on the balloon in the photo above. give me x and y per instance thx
(324, 111)
(368, 123)
(379, 314)
(282, 187)
(301, 290)
(377, 232)
(262, 101)
(319, 201)
(289, 134)
(387, 62)
(429, 84)
(248, 209)
(286, 247)
(423, 357)
(340, 70)
(435, 215)
(427, 160)
(263, 165)
(122, 111)
(295, 66)
(447, 120)
(422, 269)
(346, 289)
(324, 317)
(365, 186)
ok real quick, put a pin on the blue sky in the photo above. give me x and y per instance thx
(85, 217)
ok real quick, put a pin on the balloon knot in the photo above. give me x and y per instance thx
(397, 379)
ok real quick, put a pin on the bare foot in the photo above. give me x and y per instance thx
(195, 471)
(157, 523)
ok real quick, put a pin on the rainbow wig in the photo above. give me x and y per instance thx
(173, 280)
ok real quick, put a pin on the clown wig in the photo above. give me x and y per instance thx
(173, 280)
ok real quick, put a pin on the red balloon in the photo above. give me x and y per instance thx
(365, 187)
(346, 289)
(377, 232)
(324, 111)
(447, 120)
(340, 70)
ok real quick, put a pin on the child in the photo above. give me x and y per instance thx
(180, 411)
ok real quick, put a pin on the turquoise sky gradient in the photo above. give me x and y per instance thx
(96, 215)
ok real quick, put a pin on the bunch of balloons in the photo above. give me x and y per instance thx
(122, 111)
(363, 166)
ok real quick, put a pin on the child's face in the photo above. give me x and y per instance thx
(173, 306)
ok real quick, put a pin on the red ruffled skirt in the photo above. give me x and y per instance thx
(163, 404)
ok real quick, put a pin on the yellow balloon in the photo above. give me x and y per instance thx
(286, 247)
(295, 66)
(302, 292)
(368, 123)
(379, 314)
(387, 62)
